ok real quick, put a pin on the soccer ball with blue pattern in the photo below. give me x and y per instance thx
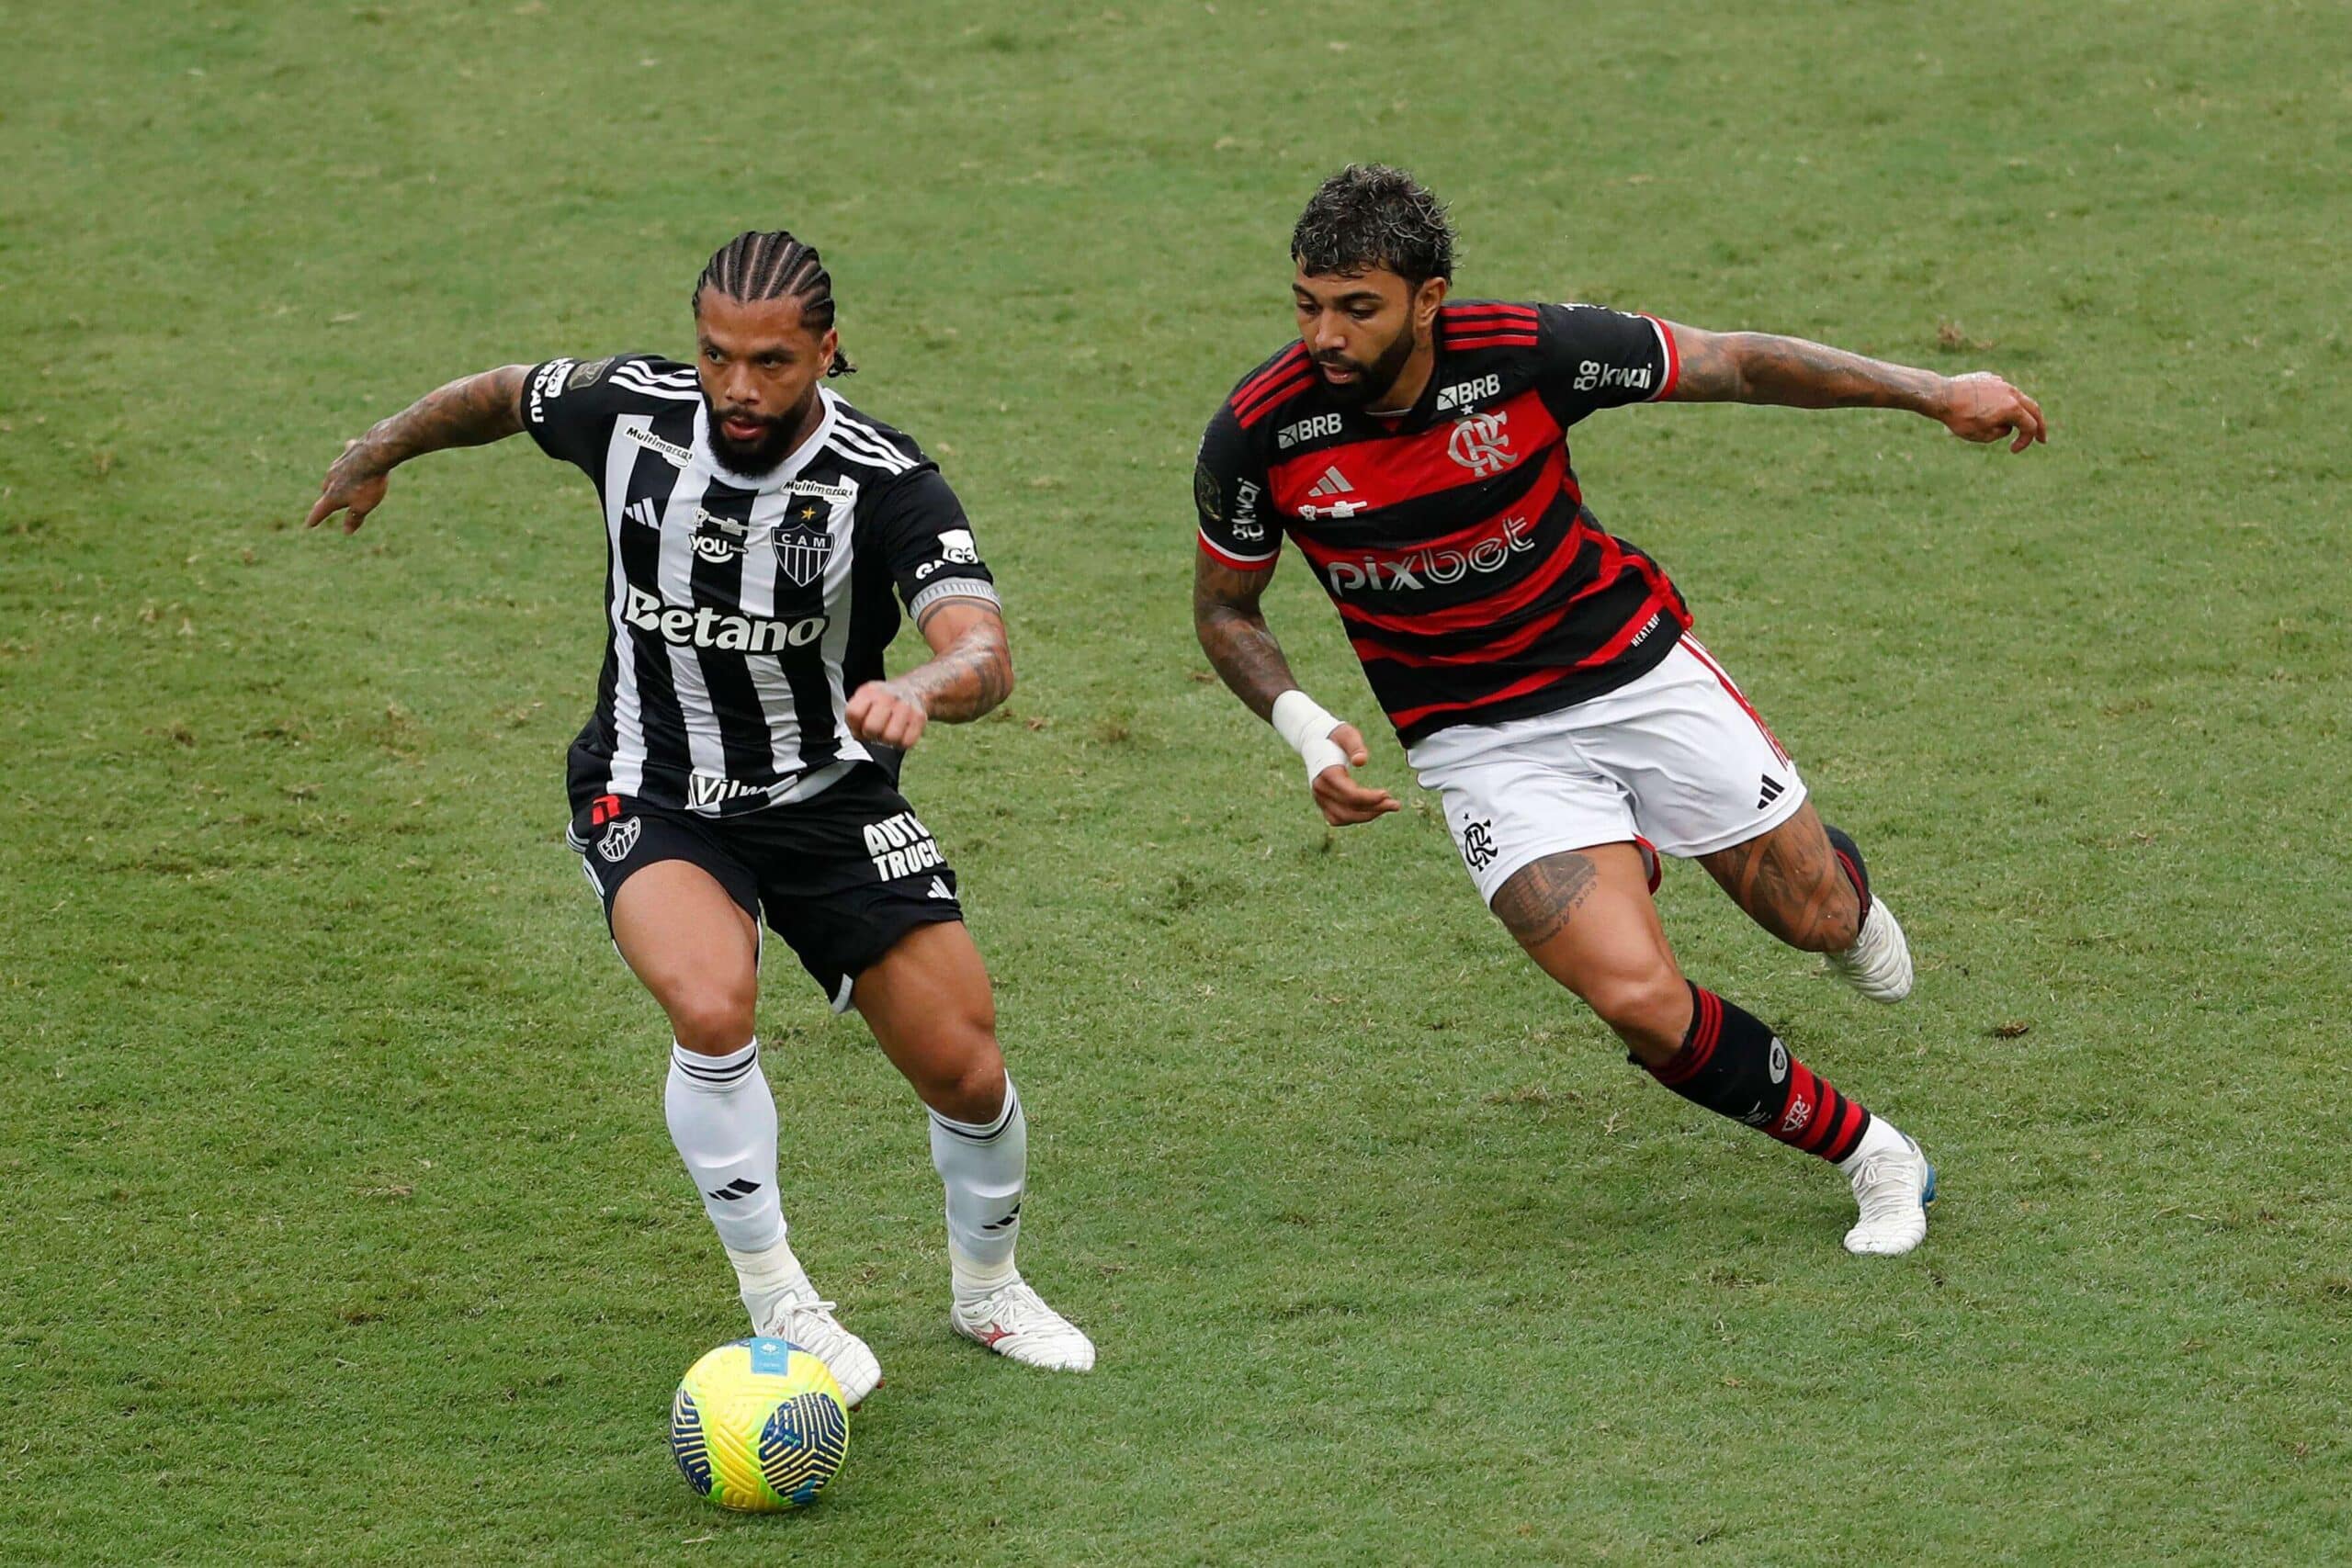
(759, 1425)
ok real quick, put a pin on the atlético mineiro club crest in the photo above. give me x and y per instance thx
(619, 838)
(801, 553)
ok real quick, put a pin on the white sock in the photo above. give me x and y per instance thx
(765, 1276)
(1879, 1137)
(723, 1120)
(984, 1167)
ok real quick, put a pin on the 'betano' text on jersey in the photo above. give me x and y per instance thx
(741, 610)
(1472, 582)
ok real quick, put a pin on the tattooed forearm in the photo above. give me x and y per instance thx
(1233, 633)
(1538, 900)
(1757, 367)
(971, 675)
(469, 411)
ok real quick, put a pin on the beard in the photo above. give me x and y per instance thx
(764, 453)
(1373, 381)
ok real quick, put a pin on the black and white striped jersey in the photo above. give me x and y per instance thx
(741, 610)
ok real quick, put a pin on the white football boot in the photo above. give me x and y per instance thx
(810, 1324)
(1893, 1182)
(1014, 1321)
(1879, 964)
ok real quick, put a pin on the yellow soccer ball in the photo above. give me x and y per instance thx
(759, 1425)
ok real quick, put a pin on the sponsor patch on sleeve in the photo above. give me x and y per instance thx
(586, 374)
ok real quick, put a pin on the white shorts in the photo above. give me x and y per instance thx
(1677, 756)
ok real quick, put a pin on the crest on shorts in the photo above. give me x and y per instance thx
(1478, 844)
(620, 838)
(801, 553)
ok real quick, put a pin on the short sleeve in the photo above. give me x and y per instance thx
(569, 405)
(1594, 358)
(924, 536)
(1237, 528)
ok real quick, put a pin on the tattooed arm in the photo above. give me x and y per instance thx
(1757, 367)
(469, 411)
(1233, 632)
(970, 673)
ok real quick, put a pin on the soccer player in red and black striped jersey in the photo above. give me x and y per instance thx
(1541, 672)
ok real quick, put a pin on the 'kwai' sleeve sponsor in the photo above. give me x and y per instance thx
(1593, 359)
(569, 405)
(927, 541)
(1238, 523)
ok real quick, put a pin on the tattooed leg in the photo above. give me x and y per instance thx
(1586, 917)
(1789, 882)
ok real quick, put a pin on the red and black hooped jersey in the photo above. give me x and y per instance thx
(1474, 583)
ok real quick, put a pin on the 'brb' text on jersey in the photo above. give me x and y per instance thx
(1474, 584)
(742, 610)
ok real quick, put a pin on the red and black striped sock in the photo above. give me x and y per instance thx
(1735, 1067)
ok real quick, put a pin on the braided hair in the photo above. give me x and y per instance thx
(771, 264)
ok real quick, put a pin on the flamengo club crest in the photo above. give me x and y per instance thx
(1481, 445)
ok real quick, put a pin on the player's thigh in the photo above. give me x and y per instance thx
(1516, 793)
(680, 909)
(929, 1003)
(1586, 917)
(859, 890)
(1548, 839)
(1702, 770)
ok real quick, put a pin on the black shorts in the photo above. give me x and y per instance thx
(841, 876)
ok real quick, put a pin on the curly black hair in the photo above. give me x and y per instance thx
(1369, 215)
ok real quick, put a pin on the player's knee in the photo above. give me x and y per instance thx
(967, 1082)
(713, 1019)
(1649, 1007)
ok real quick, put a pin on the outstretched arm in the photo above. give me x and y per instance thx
(469, 411)
(1233, 632)
(1758, 367)
(970, 673)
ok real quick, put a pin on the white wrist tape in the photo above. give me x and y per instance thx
(1301, 720)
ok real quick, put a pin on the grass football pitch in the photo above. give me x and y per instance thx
(337, 1219)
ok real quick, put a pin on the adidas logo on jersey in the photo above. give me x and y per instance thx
(1771, 791)
(1333, 482)
(643, 512)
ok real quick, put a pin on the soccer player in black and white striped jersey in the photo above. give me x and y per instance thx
(742, 762)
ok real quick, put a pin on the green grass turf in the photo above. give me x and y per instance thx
(340, 1224)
